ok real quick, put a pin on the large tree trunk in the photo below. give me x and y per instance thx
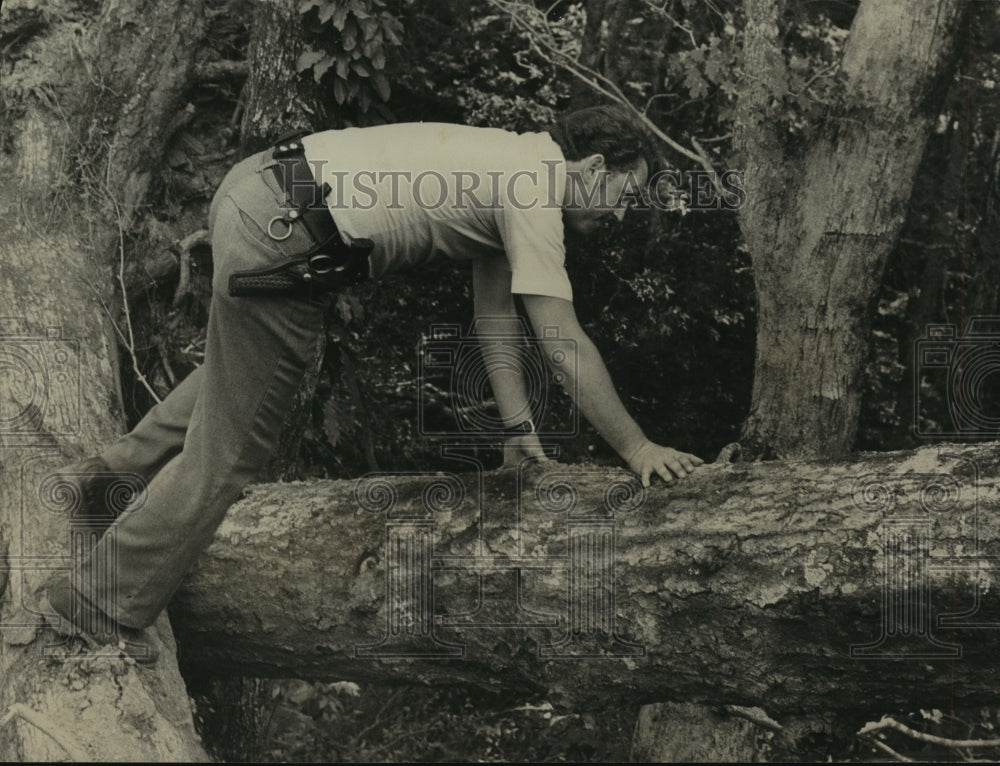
(821, 218)
(88, 105)
(774, 585)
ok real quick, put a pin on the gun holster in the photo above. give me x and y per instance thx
(331, 264)
(302, 277)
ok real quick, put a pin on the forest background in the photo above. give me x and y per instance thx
(668, 297)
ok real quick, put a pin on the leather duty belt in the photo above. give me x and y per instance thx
(330, 265)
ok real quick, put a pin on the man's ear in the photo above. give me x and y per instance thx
(592, 165)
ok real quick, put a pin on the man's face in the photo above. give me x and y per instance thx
(596, 196)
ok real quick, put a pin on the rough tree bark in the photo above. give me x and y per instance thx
(681, 732)
(746, 584)
(821, 218)
(89, 103)
(278, 99)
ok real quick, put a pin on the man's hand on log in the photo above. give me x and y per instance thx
(668, 463)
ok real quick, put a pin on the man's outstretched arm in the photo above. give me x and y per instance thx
(589, 382)
(496, 315)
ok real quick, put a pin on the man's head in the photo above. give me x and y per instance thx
(606, 162)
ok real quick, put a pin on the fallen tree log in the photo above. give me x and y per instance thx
(808, 587)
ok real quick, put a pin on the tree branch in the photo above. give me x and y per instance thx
(598, 82)
(213, 71)
(185, 246)
(891, 723)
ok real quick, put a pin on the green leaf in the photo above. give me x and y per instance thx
(349, 36)
(381, 86)
(717, 67)
(339, 91)
(391, 24)
(340, 17)
(326, 9)
(364, 100)
(392, 32)
(343, 63)
(378, 60)
(369, 26)
(363, 68)
(322, 67)
(307, 5)
(308, 59)
(696, 84)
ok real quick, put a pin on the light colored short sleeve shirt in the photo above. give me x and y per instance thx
(422, 191)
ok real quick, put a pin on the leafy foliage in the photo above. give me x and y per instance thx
(351, 43)
(469, 66)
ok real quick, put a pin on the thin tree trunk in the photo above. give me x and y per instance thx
(278, 99)
(604, 25)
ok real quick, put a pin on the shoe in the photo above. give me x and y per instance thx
(101, 493)
(78, 619)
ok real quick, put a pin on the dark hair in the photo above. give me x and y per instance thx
(605, 130)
